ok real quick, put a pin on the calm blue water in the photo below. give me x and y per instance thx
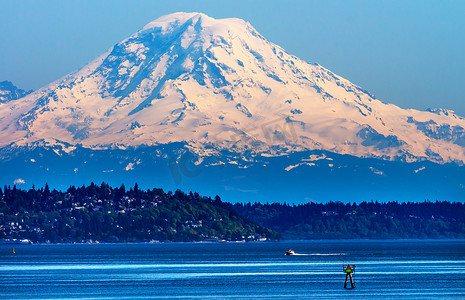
(233, 270)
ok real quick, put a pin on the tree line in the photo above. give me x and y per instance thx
(366, 220)
(105, 214)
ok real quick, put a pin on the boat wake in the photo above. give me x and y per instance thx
(319, 254)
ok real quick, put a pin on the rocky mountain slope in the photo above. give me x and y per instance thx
(10, 92)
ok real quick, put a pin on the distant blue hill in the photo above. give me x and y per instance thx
(238, 178)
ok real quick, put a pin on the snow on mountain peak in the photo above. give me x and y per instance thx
(218, 84)
(168, 23)
(172, 21)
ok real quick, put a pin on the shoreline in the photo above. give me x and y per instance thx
(329, 241)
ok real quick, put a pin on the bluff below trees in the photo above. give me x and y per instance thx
(367, 220)
(106, 214)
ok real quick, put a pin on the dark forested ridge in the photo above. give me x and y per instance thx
(372, 220)
(106, 214)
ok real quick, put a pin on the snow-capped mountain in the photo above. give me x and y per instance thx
(10, 92)
(218, 84)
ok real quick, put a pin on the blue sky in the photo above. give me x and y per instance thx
(410, 53)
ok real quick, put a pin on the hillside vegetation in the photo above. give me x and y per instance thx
(105, 214)
(367, 220)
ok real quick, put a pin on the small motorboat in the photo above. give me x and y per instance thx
(290, 252)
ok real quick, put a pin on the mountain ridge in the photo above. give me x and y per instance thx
(9, 92)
